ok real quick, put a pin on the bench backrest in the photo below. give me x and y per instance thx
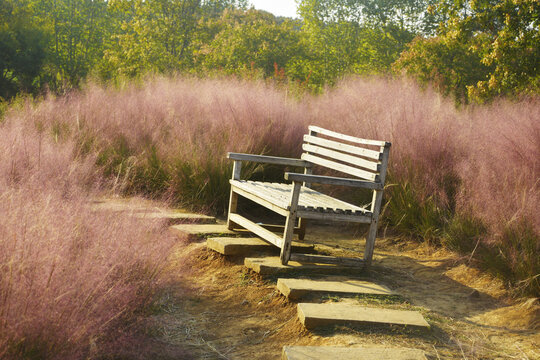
(362, 158)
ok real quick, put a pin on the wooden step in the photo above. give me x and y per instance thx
(201, 230)
(272, 266)
(175, 218)
(316, 315)
(350, 353)
(249, 246)
(297, 288)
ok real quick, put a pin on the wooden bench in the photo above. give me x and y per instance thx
(366, 160)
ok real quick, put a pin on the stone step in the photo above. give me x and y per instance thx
(146, 209)
(298, 288)
(176, 218)
(350, 353)
(250, 246)
(194, 231)
(316, 315)
(272, 266)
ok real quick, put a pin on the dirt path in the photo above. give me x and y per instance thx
(214, 308)
(229, 313)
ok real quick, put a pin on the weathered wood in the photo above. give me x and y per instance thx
(298, 200)
(256, 229)
(250, 246)
(356, 353)
(289, 224)
(353, 160)
(237, 170)
(372, 154)
(278, 208)
(302, 222)
(322, 259)
(349, 138)
(268, 159)
(233, 197)
(297, 288)
(375, 210)
(273, 266)
(341, 167)
(200, 230)
(331, 180)
(276, 196)
(278, 228)
(176, 218)
(316, 315)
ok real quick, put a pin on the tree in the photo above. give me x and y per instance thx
(450, 65)
(362, 36)
(158, 35)
(250, 40)
(22, 49)
(486, 48)
(78, 29)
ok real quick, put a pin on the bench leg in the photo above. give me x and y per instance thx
(233, 204)
(287, 238)
(370, 244)
(289, 224)
(302, 228)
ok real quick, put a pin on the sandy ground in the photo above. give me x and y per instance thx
(220, 310)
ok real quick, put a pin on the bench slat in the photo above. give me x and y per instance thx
(267, 159)
(275, 197)
(355, 150)
(256, 229)
(323, 216)
(341, 167)
(280, 208)
(349, 138)
(331, 180)
(354, 160)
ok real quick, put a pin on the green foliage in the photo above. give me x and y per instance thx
(448, 64)
(515, 258)
(412, 215)
(484, 49)
(362, 37)
(22, 49)
(463, 233)
(157, 37)
(251, 40)
(77, 29)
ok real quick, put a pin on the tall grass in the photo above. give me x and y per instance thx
(72, 281)
(169, 137)
(466, 179)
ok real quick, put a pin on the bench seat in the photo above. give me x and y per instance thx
(311, 204)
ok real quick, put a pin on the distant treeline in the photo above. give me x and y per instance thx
(474, 50)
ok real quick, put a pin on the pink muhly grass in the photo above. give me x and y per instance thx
(471, 174)
(458, 165)
(423, 128)
(170, 137)
(69, 277)
(503, 171)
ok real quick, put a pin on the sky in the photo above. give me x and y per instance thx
(276, 7)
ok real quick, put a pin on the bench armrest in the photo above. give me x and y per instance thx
(330, 180)
(268, 159)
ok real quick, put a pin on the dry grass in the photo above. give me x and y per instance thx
(467, 179)
(72, 282)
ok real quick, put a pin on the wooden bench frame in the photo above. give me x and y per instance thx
(329, 149)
